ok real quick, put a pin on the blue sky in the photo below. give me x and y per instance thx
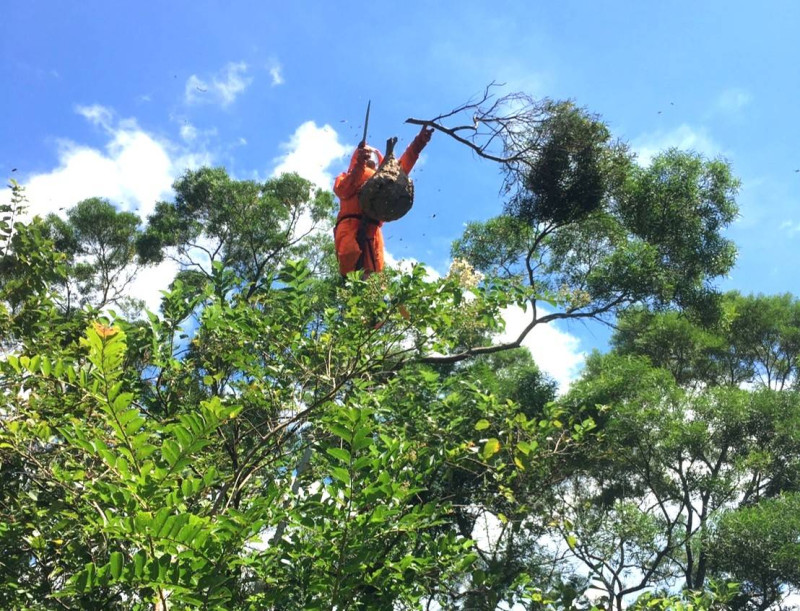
(117, 99)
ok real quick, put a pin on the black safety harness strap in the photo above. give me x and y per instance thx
(364, 243)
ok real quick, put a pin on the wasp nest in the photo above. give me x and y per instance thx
(389, 194)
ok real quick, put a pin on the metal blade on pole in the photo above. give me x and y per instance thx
(363, 142)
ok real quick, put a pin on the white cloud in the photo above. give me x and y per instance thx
(196, 142)
(188, 132)
(310, 152)
(234, 82)
(556, 352)
(96, 114)
(133, 171)
(790, 227)
(222, 89)
(195, 86)
(151, 281)
(276, 72)
(733, 100)
(406, 264)
(683, 137)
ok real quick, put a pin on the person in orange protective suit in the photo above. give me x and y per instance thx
(358, 239)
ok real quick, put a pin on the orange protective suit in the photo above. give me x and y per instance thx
(358, 239)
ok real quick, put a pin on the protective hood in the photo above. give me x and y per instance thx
(355, 154)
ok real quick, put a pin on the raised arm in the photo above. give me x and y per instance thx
(411, 154)
(348, 183)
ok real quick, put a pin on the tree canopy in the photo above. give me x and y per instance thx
(277, 437)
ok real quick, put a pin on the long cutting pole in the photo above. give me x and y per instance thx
(363, 142)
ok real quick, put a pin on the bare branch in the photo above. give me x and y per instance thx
(477, 351)
(501, 129)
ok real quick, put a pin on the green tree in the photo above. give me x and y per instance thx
(100, 248)
(765, 330)
(29, 268)
(128, 504)
(757, 547)
(755, 341)
(586, 232)
(276, 437)
(246, 226)
(674, 460)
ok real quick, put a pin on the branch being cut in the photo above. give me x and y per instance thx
(495, 128)
(555, 160)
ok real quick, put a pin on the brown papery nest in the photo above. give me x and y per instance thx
(389, 194)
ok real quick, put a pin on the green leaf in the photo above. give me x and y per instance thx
(482, 424)
(170, 451)
(177, 525)
(163, 566)
(340, 454)
(133, 425)
(182, 434)
(342, 432)
(188, 487)
(491, 448)
(572, 541)
(362, 439)
(363, 463)
(91, 573)
(115, 563)
(379, 513)
(158, 521)
(82, 581)
(343, 475)
(189, 532)
(114, 390)
(122, 401)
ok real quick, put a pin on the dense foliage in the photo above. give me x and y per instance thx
(276, 437)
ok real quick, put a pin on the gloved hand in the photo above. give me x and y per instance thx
(364, 155)
(424, 135)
